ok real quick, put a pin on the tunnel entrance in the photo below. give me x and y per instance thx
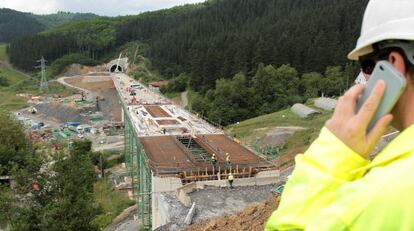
(116, 67)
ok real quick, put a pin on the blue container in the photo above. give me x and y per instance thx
(36, 126)
(75, 124)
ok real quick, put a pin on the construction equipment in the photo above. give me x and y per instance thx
(33, 110)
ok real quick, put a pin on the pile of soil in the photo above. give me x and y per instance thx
(250, 219)
(78, 69)
(104, 88)
(62, 113)
(85, 83)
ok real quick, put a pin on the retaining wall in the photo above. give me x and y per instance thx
(160, 208)
(262, 178)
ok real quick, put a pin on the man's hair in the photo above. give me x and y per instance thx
(408, 65)
(404, 47)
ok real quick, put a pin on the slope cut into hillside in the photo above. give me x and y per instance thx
(280, 135)
(251, 219)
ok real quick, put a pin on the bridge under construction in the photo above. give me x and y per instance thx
(167, 147)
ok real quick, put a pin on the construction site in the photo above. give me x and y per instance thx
(168, 150)
(169, 169)
(169, 154)
(92, 112)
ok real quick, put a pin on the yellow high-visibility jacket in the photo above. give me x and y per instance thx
(333, 188)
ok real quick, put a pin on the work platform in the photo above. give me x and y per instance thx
(165, 141)
(175, 140)
(169, 155)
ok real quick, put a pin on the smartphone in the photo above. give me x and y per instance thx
(395, 84)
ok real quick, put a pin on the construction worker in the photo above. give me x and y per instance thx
(334, 185)
(231, 178)
(213, 160)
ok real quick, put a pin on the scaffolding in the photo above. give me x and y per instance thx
(139, 172)
(199, 154)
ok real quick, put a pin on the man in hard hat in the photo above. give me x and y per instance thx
(213, 160)
(231, 178)
(334, 186)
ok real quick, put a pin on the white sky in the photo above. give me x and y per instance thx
(100, 7)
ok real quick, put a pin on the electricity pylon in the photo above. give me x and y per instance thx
(43, 81)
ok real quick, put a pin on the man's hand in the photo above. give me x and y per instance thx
(350, 127)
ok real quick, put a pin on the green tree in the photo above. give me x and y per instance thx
(275, 88)
(231, 100)
(200, 104)
(7, 206)
(4, 82)
(177, 84)
(16, 160)
(265, 84)
(351, 71)
(288, 77)
(311, 84)
(333, 83)
(65, 199)
(15, 155)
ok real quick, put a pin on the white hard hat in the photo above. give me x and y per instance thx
(384, 20)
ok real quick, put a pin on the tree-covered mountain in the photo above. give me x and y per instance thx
(16, 24)
(53, 20)
(274, 52)
(222, 37)
(227, 36)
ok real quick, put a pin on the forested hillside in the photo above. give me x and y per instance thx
(93, 38)
(273, 53)
(16, 24)
(228, 36)
(53, 20)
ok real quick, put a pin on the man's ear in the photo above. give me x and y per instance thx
(397, 60)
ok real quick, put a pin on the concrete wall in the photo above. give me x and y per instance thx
(160, 209)
(123, 63)
(165, 184)
(182, 193)
(262, 178)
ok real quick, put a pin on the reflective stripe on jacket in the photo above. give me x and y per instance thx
(333, 188)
